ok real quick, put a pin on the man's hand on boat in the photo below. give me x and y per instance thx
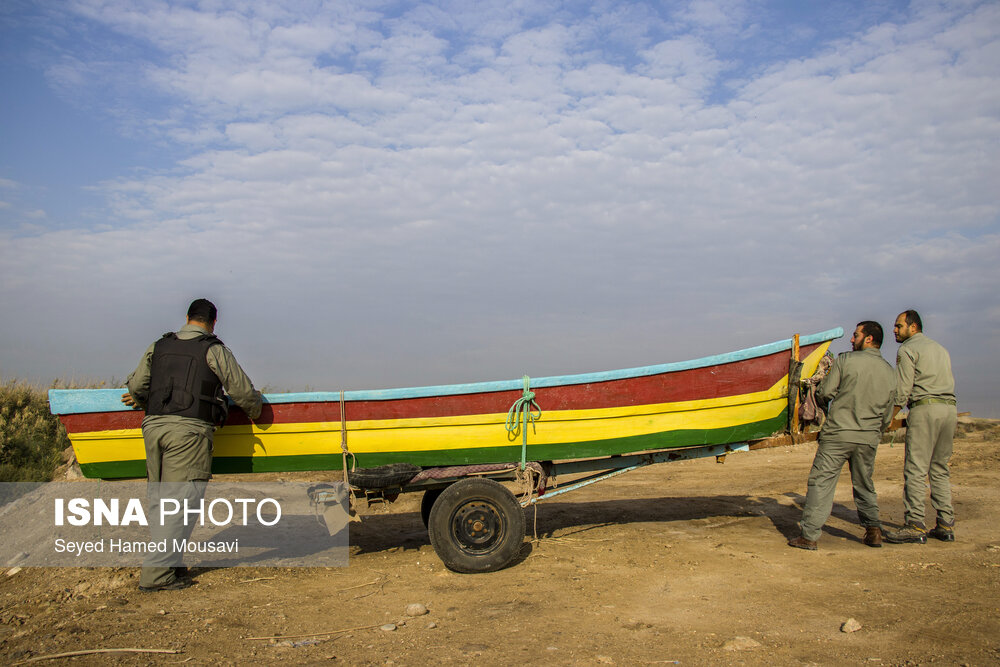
(129, 401)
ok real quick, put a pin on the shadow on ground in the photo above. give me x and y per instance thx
(406, 530)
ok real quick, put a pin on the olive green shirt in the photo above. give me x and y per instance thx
(923, 370)
(220, 360)
(858, 396)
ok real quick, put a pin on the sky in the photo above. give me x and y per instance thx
(392, 194)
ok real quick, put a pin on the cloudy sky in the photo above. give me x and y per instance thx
(384, 194)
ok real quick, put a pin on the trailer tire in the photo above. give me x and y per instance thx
(476, 525)
(382, 477)
(427, 502)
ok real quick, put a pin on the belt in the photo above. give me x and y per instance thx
(931, 401)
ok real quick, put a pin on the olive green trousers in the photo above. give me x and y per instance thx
(930, 430)
(829, 461)
(178, 466)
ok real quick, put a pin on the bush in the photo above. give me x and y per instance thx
(31, 438)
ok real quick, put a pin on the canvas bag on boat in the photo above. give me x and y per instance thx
(182, 383)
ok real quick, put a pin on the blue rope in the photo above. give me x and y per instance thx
(524, 410)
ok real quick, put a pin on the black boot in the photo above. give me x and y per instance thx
(942, 532)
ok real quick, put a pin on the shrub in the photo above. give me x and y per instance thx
(31, 438)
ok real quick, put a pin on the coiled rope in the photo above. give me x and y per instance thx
(524, 411)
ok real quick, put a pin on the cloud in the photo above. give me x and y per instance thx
(726, 16)
(687, 61)
(457, 182)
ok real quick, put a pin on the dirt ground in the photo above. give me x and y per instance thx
(680, 563)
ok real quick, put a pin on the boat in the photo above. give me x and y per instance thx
(727, 398)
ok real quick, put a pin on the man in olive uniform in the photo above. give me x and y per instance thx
(858, 393)
(925, 384)
(179, 382)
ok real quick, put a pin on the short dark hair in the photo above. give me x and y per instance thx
(873, 329)
(913, 317)
(202, 310)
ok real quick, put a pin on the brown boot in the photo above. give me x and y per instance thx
(873, 536)
(802, 543)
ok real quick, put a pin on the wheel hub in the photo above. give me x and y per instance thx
(477, 526)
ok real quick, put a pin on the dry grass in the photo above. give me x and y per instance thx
(31, 438)
(983, 428)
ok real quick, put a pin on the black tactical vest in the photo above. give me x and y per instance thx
(181, 382)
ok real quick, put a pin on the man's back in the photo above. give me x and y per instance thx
(220, 360)
(858, 390)
(923, 369)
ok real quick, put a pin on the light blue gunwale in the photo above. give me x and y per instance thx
(77, 401)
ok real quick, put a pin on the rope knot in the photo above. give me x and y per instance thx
(524, 411)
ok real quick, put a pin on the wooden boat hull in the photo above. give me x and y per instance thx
(715, 400)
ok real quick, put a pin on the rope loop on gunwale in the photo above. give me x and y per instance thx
(343, 439)
(524, 411)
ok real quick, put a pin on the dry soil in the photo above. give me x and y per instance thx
(680, 563)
